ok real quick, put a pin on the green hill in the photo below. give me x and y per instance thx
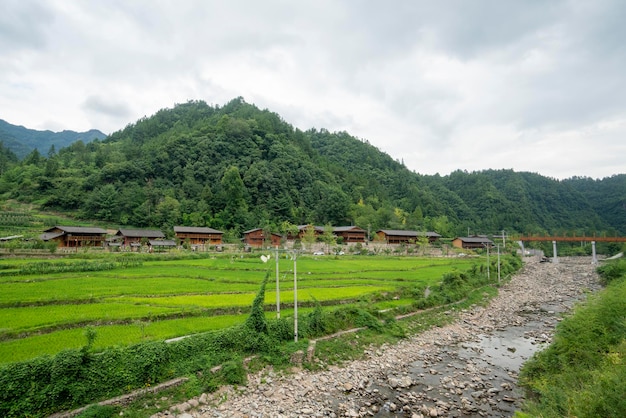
(236, 167)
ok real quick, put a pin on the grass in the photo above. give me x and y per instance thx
(583, 372)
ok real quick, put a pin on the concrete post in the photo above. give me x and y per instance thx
(594, 258)
(555, 259)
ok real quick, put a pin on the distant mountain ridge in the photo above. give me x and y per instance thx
(22, 141)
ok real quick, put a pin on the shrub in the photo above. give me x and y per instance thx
(612, 270)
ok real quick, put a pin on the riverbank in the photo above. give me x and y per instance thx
(468, 368)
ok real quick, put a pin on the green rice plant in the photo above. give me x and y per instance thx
(36, 318)
(112, 335)
(150, 288)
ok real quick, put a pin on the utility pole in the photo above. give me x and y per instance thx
(277, 288)
(499, 263)
(488, 275)
(295, 298)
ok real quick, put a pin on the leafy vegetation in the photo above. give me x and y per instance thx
(583, 372)
(236, 167)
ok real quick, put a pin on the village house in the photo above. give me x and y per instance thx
(394, 236)
(350, 233)
(198, 235)
(136, 237)
(75, 236)
(472, 243)
(259, 238)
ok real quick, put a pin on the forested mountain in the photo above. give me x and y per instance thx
(21, 141)
(237, 167)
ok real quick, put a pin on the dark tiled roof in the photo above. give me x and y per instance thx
(196, 230)
(162, 243)
(431, 234)
(78, 230)
(476, 240)
(141, 233)
(403, 233)
(398, 232)
(47, 236)
(348, 228)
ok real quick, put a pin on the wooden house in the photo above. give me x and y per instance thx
(258, 238)
(394, 236)
(135, 237)
(198, 235)
(350, 233)
(75, 236)
(471, 243)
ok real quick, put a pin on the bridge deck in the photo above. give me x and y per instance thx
(571, 239)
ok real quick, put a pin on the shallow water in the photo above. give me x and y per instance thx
(483, 371)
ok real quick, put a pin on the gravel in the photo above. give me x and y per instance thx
(467, 368)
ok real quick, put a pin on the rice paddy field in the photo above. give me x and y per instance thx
(46, 305)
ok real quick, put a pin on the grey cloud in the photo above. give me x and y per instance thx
(23, 24)
(107, 107)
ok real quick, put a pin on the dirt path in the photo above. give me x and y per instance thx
(468, 368)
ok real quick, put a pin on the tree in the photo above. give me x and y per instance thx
(233, 195)
(168, 213)
(328, 237)
(104, 203)
(309, 237)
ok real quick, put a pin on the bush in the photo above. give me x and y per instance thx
(612, 270)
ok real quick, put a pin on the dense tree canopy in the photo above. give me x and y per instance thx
(237, 167)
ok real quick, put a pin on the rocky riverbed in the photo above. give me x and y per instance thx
(468, 368)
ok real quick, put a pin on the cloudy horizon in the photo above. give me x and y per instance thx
(530, 86)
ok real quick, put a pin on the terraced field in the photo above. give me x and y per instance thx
(46, 305)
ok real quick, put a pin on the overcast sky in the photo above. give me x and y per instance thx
(531, 85)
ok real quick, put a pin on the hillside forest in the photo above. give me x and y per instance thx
(236, 167)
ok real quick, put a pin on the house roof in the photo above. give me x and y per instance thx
(430, 234)
(141, 233)
(476, 240)
(12, 237)
(162, 243)
(398, 232)
(403, 233)
(77, 230)
(196, 230)
(261, 229)
(47, 236)
(348, 228)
